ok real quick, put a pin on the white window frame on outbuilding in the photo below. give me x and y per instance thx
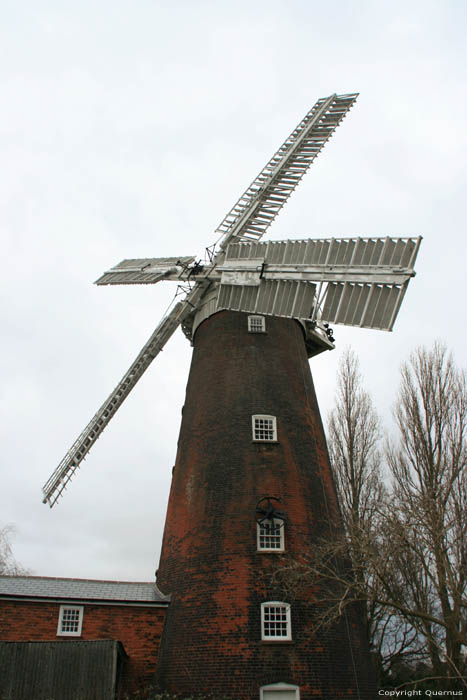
(70, 621)
(264, 428)
(275, 617)
(270, 539)
(272, 691)
(256, 324)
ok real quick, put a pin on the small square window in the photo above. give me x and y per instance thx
(270, 535)
(275, 622)
(279, 691)
(70, 620)
(256, 324)
(264, 428)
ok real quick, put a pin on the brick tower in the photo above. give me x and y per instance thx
(229, 630)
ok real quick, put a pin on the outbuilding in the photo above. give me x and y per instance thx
(64, 639)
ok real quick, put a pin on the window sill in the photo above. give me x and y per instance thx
(270, 551)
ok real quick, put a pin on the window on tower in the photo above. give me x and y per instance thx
(264, 428)
(279, 691)
(70, 620)
(275, 622)
(270, 535)
(256, 324)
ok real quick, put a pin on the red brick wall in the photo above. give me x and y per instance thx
(209, 563)
(139, 629)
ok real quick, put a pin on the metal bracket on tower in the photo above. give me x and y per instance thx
(268, 511)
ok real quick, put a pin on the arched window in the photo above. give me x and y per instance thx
(270, 535)
(276, 625)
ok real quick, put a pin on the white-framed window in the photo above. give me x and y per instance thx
(279, 691)
(270, 535)
(264, 428)
(256, 324)
(276, 625)
(70, 620)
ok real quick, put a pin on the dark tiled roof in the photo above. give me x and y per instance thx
(80, 589)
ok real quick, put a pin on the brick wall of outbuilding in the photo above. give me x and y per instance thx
(138, 628)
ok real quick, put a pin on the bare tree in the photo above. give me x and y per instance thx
(353, 437)
(429, 468)
(8, 564)
(407, 543)
(354, 433)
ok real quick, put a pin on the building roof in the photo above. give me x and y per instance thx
(45, 587)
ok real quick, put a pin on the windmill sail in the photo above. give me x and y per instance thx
(354, 251)
(144, 270)
(365, 305)
(57, 483)
(287, 298)
(251, 216)
(364, 279)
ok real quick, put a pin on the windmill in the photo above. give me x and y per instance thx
(240, 370)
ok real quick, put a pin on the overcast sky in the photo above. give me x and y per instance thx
(129, 130)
